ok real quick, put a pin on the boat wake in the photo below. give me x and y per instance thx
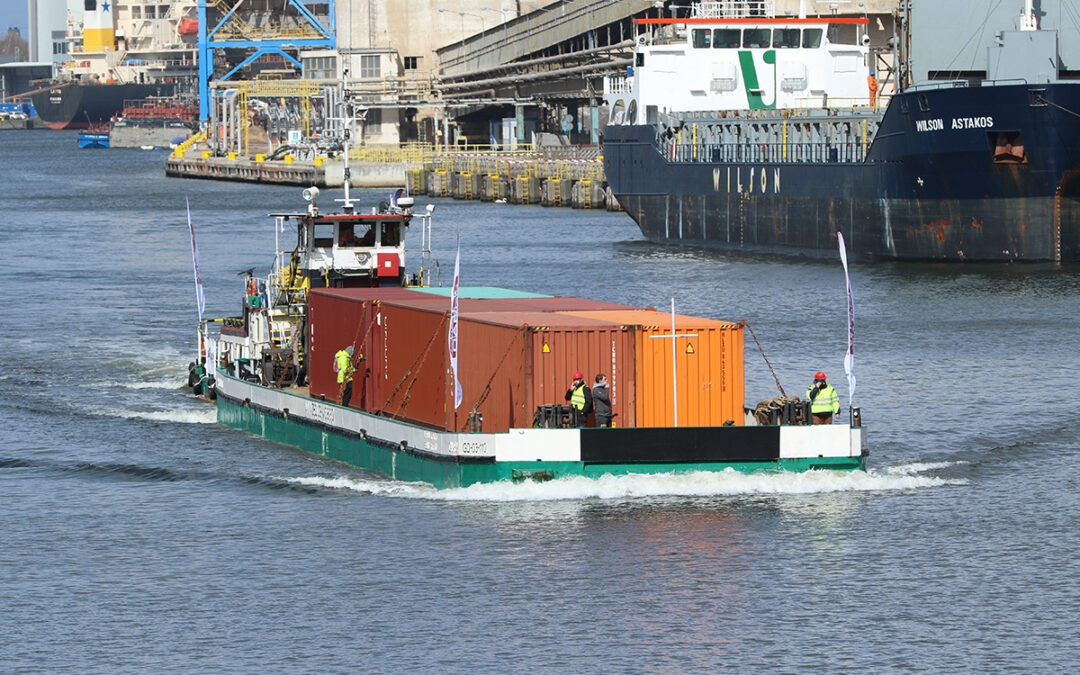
(170, 383)
(694, 484)
(203, 415)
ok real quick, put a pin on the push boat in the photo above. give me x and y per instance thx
(270, 371)
(738, 129)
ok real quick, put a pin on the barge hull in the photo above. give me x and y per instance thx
(410, 453)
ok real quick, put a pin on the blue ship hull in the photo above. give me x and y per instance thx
(929, 188)
(93, 140)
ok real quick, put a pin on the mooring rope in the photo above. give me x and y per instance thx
(747, 325)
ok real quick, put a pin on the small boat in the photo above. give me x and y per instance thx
(337, 297)
(95, 136)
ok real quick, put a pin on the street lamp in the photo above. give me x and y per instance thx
(502, 12)
(463, 15)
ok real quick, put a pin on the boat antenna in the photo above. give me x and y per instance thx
(347, 203)
(802, 9)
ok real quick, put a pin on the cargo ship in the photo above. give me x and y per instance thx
(742, 130)
(120, 50)
(469, 385)
(78, 105)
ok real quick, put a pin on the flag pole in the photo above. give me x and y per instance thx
(849, 356)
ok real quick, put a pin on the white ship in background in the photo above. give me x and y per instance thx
(117, 51)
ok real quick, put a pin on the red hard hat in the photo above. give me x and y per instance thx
(819, 375)
(578, 375)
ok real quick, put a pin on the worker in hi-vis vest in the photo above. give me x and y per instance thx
(343, 366)
(824, 403)
(580, 397)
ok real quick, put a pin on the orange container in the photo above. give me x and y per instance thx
(338, 318)
(709, 364)
(555, 346)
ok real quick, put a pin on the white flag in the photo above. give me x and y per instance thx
(199, 297)
(453, 333)
(849, 357)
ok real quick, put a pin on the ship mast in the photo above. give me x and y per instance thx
(1027, 18)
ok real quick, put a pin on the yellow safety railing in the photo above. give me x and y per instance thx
(455, 157)
(179, 151)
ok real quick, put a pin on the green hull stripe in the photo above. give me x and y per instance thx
(402, 465)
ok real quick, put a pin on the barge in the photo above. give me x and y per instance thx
(337, 300)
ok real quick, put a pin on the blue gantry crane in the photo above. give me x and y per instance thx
(233, 30)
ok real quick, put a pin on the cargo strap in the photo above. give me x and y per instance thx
(747, 326)
(416, 364)
(487, 387)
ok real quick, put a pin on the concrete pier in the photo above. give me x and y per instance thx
(323, 173)
(560, 176)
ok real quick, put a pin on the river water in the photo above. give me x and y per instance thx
(136, 534)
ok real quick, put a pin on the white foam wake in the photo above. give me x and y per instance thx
(200, 415)
(166, 383)
(377, 487)
(919, 467)
(694, 484)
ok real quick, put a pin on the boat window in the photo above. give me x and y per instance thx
(323, 236)
(701, 38)
(726, 38)
(811, 38)
(390, 234)
(786, 38)
(756, 38)
(356, 235)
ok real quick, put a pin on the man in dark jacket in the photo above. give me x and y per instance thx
(601, 397)
(581, 400)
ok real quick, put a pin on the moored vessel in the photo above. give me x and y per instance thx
(468, 385)
(95, 136)
(120, 50)
(742, 130)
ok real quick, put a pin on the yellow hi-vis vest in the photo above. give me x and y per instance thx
(577, 398)
(826, 402)
(344, 365)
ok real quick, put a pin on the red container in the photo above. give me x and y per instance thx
(408, 368)
(338, 318)
(508, 362)
(557, 304)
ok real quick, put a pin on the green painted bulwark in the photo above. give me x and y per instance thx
(402, 464)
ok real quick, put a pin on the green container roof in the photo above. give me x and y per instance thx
(481, 293)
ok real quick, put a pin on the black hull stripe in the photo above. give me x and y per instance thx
(682, 444)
